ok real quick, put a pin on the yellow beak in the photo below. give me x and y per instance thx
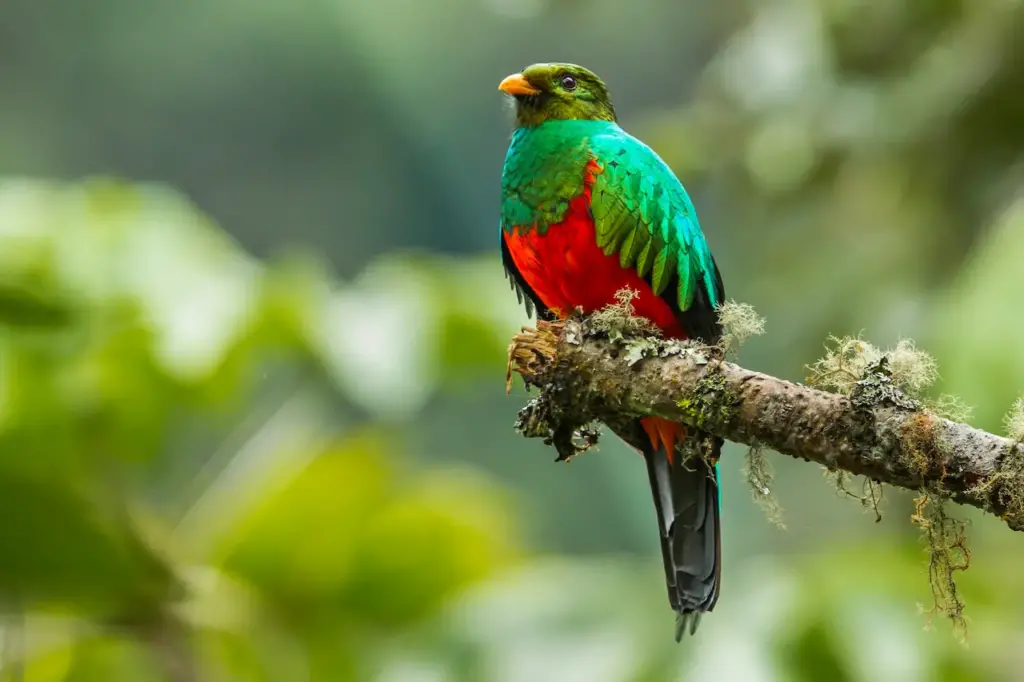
(516, 84)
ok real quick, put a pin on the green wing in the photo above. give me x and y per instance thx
(642, 212)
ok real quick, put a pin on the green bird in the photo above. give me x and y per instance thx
(586, 211)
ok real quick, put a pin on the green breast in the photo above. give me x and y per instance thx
(543, 172)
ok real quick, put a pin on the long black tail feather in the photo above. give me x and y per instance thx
(686, 501)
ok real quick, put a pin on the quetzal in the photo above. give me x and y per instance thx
(586, 211)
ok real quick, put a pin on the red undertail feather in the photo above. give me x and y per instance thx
(664, 433)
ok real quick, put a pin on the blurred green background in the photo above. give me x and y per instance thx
(252, 331)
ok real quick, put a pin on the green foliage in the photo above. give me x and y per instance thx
(112, 572)
(347, 541)
(980, 361)
(168, 328)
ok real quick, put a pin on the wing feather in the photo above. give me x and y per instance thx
(641, 210)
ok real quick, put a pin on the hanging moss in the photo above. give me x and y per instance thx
(761, 479)
(947, 551)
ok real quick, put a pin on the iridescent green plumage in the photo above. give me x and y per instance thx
(640, 209)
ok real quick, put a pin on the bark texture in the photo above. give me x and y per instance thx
(584, 376)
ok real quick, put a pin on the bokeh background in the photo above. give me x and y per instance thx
(253, 423)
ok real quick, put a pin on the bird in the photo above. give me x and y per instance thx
(588, 211)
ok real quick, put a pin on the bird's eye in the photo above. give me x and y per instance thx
(568, 82)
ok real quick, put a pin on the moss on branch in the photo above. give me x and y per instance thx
(877, 430)
(874, 421)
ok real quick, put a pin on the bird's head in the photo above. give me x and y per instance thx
(550, 92)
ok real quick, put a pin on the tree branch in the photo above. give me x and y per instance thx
(876, 431)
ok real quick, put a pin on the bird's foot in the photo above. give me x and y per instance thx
(532, 349)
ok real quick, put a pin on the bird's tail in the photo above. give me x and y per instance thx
(686, 499)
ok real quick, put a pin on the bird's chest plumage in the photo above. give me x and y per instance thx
(549, 231)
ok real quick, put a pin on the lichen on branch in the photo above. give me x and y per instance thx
(875, 420)
(740, 322)
(761, 479)
(1014, 421)
(876, 429)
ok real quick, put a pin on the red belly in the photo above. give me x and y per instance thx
(566, 269)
